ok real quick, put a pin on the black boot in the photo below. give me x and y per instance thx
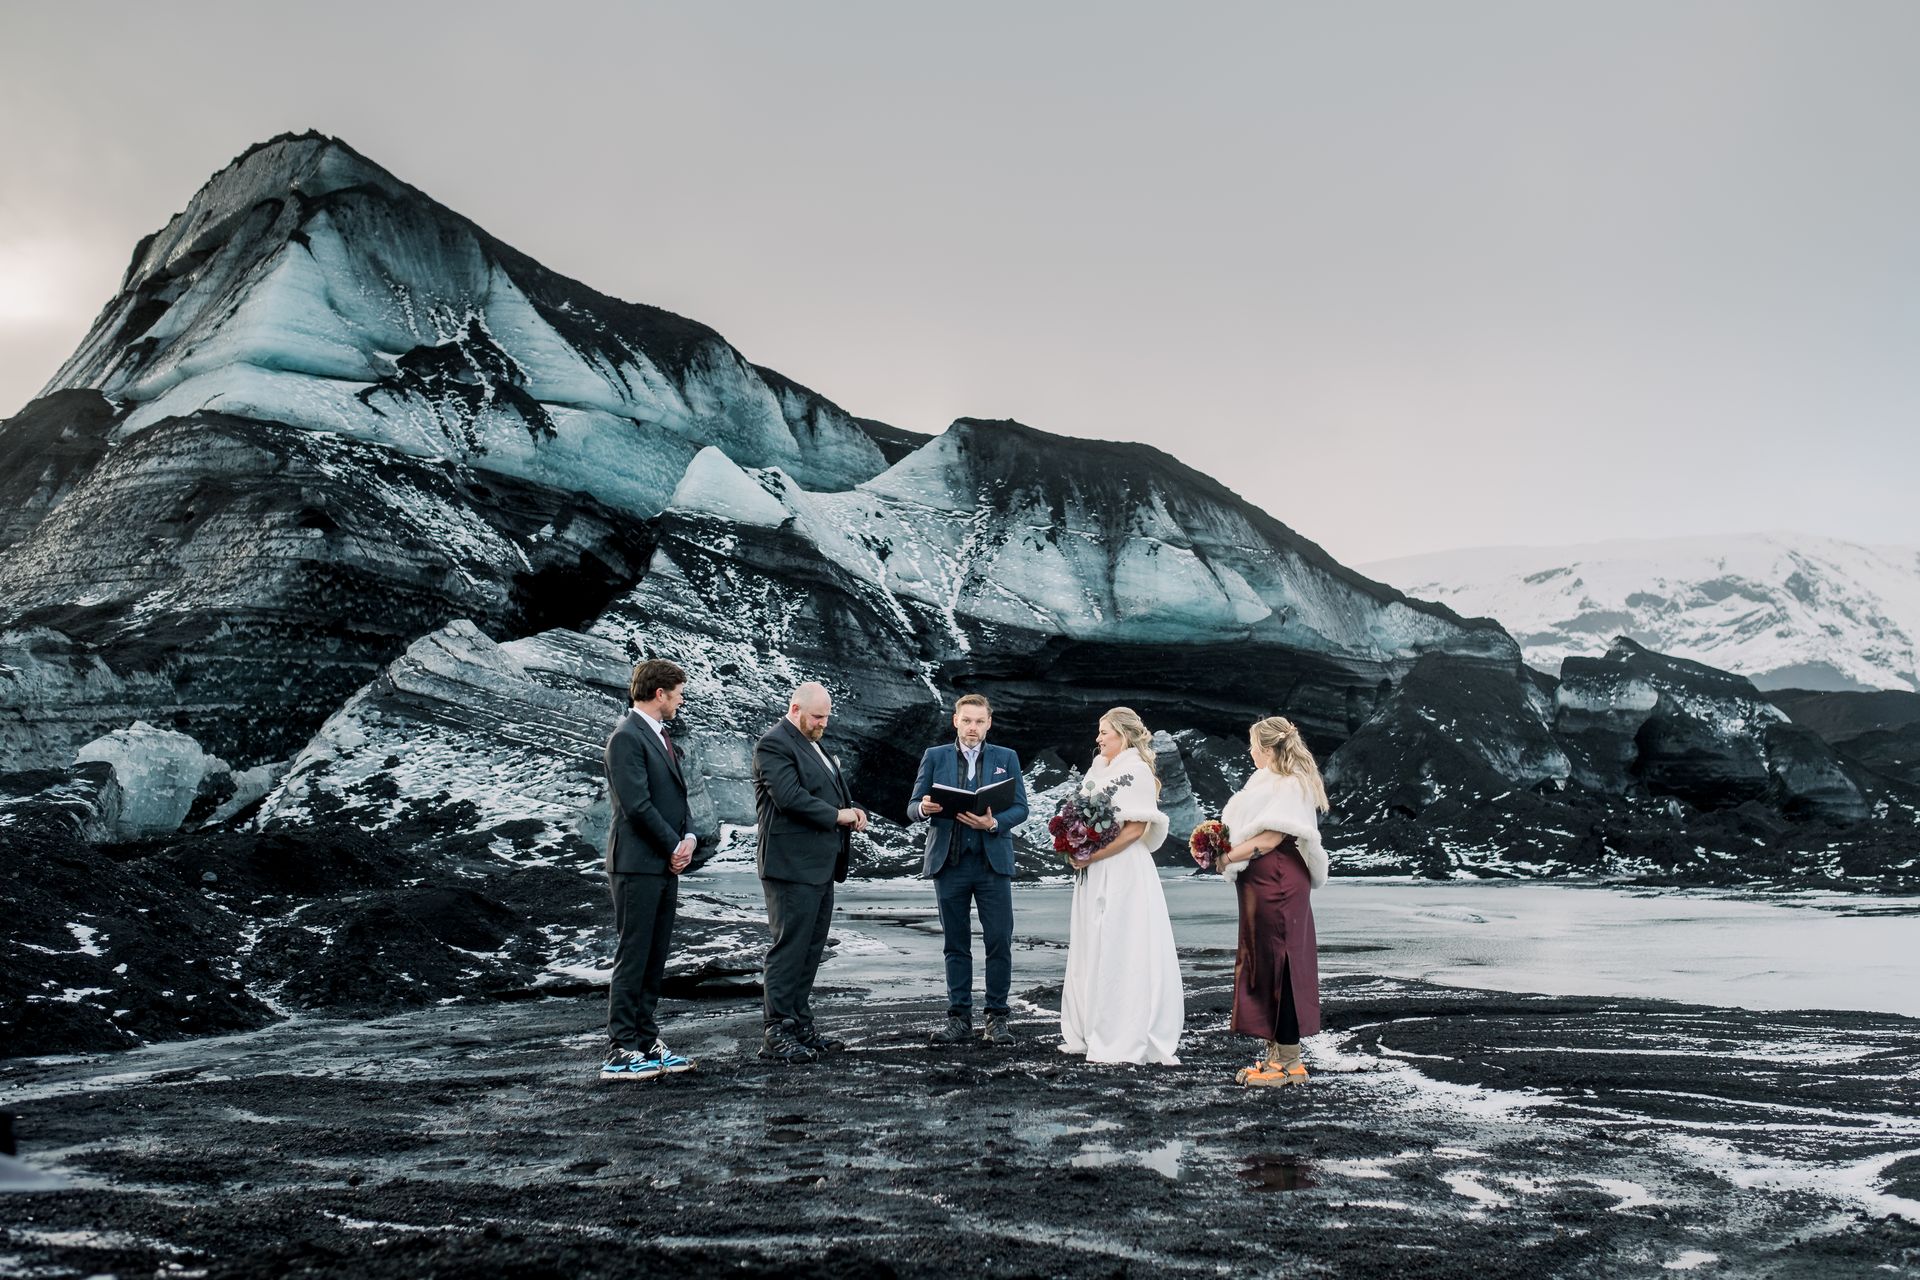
(959, 1030)
(781, 1044)
(997, 1032)
(822, 1045)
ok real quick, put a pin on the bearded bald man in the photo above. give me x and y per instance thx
(807, 818)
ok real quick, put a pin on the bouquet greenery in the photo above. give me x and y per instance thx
(1085, 823)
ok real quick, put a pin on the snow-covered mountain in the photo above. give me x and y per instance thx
(326, 416)
(1786, 610)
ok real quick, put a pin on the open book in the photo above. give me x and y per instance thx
(953, 800)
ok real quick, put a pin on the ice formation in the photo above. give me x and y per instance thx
(159, 773)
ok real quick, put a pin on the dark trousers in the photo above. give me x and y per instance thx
(798, 916)
(967, 877)
(643, 910)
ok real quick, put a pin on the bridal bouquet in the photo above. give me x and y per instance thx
(1085, 824)
(1208, 844)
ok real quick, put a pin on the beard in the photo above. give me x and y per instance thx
(815, 733)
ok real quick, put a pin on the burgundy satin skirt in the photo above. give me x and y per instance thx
(1278, 956)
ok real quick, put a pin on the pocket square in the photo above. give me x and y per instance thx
(999, 770)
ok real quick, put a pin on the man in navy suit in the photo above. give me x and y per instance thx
(970, 861)
(649, 844)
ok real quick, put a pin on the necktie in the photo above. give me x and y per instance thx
(673, 752)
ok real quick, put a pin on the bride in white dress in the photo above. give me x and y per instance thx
(1122, 1000)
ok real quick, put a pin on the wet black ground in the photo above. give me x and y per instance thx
(1446, 1133)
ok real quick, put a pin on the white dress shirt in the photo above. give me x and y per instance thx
(973, 769)
(660, 732)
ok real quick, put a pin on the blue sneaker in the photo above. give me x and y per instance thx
(630, 1064)
(668, 1062)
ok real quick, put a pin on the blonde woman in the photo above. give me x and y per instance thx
(1275, 863)
(1122, 1001)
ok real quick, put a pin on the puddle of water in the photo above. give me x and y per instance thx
(1164, 1160)
(1041, 1132)
(1276, 1173)
(16, 1175)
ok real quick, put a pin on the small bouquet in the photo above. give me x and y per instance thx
(1085, 824)
(1208, 844)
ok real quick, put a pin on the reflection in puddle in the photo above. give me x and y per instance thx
(1163, 1160)
(1276, 1173)
(18, 1176)
(1043, 1131)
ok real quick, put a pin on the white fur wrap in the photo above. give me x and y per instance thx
(1276, 802)
(1137, 800)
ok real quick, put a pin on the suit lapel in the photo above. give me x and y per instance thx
(813, 754)
(833, 771)
(809, 755)
(987, 775)
(673, 759)
(659, 748)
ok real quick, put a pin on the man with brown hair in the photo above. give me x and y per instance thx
(970, 860)
(649, 844)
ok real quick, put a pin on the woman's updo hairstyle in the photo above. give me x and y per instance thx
(1289, 756)
(1126, 722)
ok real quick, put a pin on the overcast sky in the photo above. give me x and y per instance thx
(1410, 276)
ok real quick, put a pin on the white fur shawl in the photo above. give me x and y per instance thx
(1137, 800)
(1276, 802)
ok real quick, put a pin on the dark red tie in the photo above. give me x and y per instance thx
(673, 752)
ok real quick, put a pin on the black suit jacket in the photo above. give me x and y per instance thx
(797, 797)
(648, 793)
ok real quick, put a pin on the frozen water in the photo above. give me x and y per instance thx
(1799, 953)
(361, 308)
(249, 785)
(938, 535)
(715, 486)
(1804, 952)
(515, 730)
(159, 773)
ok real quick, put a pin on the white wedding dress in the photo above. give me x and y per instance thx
(1122, 1000)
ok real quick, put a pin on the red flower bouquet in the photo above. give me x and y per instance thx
(1208, 844)
(1085, 824)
